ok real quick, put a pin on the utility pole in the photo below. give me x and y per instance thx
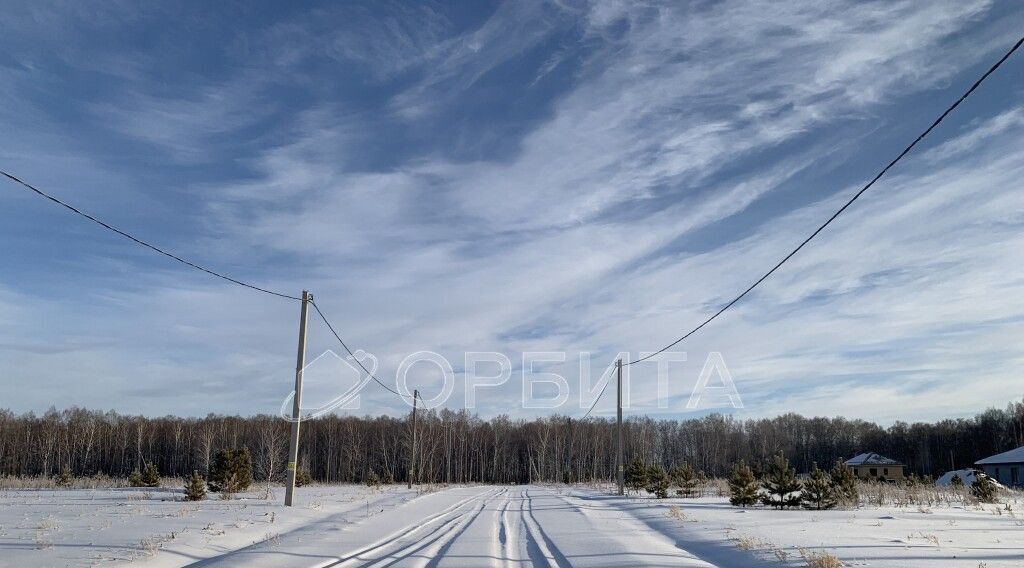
(412, 459)
(293, 445)
(619, 467)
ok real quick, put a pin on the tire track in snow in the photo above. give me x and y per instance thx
(438, 524)
(439, 552)
(444, 518)
(502, 546)
(603, 508)
(537, 555)
(444, 534)
(552, 556)
(346, 516)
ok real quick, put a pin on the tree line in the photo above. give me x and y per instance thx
(457, 446)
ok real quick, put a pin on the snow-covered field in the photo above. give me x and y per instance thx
(478, 526)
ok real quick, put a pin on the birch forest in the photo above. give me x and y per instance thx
(460, 447)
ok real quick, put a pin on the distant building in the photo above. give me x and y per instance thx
(1006, 468)
(874, 466)
(968, 476)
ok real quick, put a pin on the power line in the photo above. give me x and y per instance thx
(186, 262)
(142, 242)
(856, 196)
(750, 288)
(353, 355)
(596, 400)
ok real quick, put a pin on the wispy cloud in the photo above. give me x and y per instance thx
(668, 155)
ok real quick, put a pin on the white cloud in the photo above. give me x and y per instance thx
(529, 240)
(674, 123)
(684, 93)
(917, 276)
(185, 127)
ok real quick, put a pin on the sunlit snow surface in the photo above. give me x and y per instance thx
(476, 526)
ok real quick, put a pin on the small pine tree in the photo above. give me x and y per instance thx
(195, 488)
(636, 476)
(687, 479)
(372, 480)
(956, 482)
(657, 481)
(243, 466)
(303, 478)
(817, 492)
(742, 486)
(150, 476)
(135, 478)
(983, 489)
(231, 471)
(844, 483)
(759, 470)
(388, 478)
(64, 478)
(781, 484)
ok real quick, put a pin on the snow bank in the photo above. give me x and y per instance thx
(82, 527)
(967, 475)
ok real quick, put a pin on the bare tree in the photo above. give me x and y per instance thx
(461, 447)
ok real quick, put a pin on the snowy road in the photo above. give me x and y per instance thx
(557, 525)
(473, 527)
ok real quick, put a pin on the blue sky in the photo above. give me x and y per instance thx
(512, 177)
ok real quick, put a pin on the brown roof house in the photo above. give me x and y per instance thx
(874, 466)
(1006, 468)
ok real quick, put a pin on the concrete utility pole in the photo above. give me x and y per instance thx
(619, 467)
(293, 445)
(412, 459)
